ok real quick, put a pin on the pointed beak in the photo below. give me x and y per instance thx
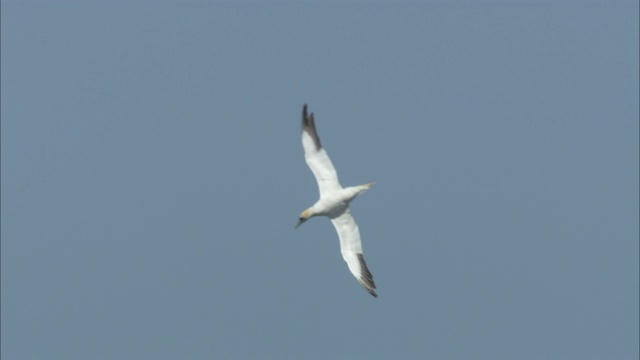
(300, 221)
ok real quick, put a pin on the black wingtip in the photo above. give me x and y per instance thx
(366, 279)
(307, 120)
(370, 290)
(373, 293)
(309, 125)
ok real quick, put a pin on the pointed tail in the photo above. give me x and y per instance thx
(367, 186)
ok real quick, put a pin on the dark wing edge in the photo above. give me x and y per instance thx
(309, 126)
(366, 279)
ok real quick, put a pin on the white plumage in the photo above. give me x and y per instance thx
(334, 203)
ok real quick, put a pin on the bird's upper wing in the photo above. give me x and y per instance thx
(317, 157)
(351, 248)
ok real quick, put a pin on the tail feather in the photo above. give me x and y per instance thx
(368, 185)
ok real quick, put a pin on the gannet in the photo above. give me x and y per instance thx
(334, 203)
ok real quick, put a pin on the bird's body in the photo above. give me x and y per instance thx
(334, 203)
(337, 202)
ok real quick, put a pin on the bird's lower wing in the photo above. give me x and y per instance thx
(351, 249)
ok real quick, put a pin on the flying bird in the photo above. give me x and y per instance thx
(334, 203)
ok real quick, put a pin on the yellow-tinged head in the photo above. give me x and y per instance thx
(304, 216)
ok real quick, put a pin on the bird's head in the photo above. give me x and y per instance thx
(304, 216)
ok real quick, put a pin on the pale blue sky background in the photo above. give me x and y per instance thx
(152, 173)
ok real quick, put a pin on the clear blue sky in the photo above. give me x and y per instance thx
(152, 173)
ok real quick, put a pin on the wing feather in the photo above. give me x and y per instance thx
(351, 249)
(316, 157)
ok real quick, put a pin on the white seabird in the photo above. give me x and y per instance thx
(334, 203)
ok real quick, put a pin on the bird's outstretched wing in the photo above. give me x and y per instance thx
(317, 157)
(351, 249)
